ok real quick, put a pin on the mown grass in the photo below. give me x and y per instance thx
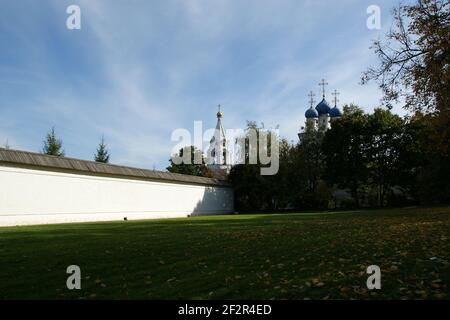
(292, 256)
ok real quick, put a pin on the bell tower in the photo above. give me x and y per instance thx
(218, 158)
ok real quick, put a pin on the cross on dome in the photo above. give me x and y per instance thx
(323, 84)
(335, 94)
(311, 95)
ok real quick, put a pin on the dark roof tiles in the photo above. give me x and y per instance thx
(43, 161)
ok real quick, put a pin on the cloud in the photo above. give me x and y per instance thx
(138, 70)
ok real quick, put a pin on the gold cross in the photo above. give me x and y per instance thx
(323, 84)
(311, 95)
(335, 94)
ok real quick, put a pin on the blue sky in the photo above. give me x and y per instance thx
(137, 70)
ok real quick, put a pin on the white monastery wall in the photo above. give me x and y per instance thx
(30, 195)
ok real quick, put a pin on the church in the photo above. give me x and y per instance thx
(218, 156)
(319, 118)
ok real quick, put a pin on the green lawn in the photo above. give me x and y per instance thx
(295, 256)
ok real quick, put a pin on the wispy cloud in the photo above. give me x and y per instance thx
(138, 70)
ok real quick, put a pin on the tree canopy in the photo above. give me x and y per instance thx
(53, 145)
(102, 154)
(189, 167)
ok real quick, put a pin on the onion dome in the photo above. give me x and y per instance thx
(311, 113)
(323, 107)
(335, 112)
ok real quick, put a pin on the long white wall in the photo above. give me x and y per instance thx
(30, 196)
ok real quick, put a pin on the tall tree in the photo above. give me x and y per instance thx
(415, 56)
(254, 191)
(312, 157)
(53, 145)
(102, 154)
(344, 149)
(414, 63)
(413, 158)
(384, 138)
(430, 167)
(285, 184)
(189, 167)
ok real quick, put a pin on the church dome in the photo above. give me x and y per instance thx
(323, 107)
(311, 113)
(335, 113)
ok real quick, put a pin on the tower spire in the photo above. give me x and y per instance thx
(219, 113)
(323, 84)
(311, 96)
(335, 94)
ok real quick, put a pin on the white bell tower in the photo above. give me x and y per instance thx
(218, 158)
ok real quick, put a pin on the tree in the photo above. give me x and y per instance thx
(189, 167)
(377, 156)
(344, 149)
(311, 157)
(430, 169)
(53, 145)
(286, 184)
(312, 190)
(254, 191)
(414, 63)
(384, 139)
(413, 157)
(102, 154)
(415, 57)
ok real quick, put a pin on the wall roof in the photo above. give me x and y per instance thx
(46, 162)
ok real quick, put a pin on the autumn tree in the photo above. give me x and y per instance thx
(414, 58)
(414, 64)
